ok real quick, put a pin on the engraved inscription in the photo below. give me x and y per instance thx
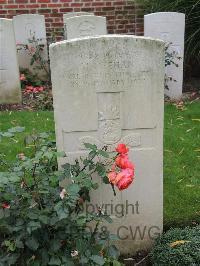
(109, 106)
(109, 124)
(165, 36)
(132, 140)
(109, 131)
(86, 28)
(30, 30)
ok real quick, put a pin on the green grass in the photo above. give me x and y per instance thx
(181, 156)
(182, 165)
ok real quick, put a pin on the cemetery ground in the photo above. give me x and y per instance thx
(181, 156)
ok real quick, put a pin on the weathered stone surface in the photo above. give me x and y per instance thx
(169, 27)
(84, 25)
(10, 90)
(109, 89)
(27, 27)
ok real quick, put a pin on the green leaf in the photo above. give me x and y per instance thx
(55, 245)
(44, 219)
(113, 252)
(55, 261)
(97, 259)
(108, 219)
(32, 243)
(16, 129)
(73, 189)
(116, 263)
(32, 226)
(100, 168)
(90, 146)
(106, 180)
(103, 153)
(61, 210)
(95, 186)
(7, 134)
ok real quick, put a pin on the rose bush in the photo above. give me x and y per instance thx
(42, 223)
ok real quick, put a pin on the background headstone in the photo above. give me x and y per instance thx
(108, 90)
(26, 28)
(73, 14)
(169, 27)
(10, 90)
(84, 25)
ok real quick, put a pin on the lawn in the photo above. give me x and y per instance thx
(181, 156)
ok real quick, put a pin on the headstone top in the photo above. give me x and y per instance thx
(166, 14)
(107, 36)
(75, 14)
(86, 25)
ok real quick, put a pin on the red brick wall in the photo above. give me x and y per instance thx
(122, 16)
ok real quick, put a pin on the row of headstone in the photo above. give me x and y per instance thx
(168, 26)
(28, 32)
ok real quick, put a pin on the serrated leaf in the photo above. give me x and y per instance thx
(73, 189)
(90, 146)
(54, 261)
(103, 153)
(32, 243)
(97, 259)
(55, 245)
(113, 252)
(116, 263)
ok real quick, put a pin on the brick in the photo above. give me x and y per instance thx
(76, 4)
(66, 10)
(42, 11)
(122, 16)
(55, 5)
(3, 12)
(32, 6)
(21, 1)
(44, 1)
(10, 6)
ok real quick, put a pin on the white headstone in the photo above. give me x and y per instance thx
(27, 27)
(10, 90)
(107, 90)
(169, 27)
(84, 25)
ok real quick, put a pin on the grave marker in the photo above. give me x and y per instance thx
(84, 26)
(10, 89)
(169, 27)
(107, 90)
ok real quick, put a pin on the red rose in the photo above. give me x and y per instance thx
(123, 162)
(122, 149)
(111, 176)
(127, 176)
(5, 206)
